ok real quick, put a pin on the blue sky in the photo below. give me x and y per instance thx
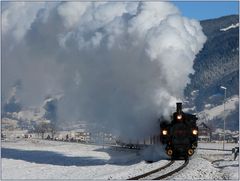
(208, 9)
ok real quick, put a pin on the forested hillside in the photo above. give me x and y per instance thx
(218, 62)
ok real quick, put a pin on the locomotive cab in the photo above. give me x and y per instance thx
(180, 135)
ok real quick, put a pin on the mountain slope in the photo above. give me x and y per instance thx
(217, 64)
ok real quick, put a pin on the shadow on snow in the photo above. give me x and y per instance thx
(54, 158)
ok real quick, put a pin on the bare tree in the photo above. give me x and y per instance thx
(50, 106)
(52, 129)
(42, 128)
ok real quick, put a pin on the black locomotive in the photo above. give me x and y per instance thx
(180, 135)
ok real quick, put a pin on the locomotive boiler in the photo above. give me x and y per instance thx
(180, 135)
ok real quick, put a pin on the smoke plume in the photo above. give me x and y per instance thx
(120, 65)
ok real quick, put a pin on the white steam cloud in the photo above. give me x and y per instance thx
(120, 65)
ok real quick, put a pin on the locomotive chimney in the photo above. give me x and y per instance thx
(179, 107)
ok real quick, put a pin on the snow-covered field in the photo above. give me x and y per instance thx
(204, 164)
(218, 111)
(40, 159)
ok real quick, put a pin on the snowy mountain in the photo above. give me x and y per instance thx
(216, 65)
(24, 119)
(213, 115)
(28, 118)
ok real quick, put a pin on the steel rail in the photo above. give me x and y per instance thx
(172, 172)
(217, 149)
(151, 172)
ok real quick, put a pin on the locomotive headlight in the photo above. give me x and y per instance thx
(164, 132)
(179, 116)
(194, 132)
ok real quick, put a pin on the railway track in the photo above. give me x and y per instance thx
(213, 149)
(162, 172)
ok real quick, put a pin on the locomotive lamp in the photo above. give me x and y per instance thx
(164, 132)
(179, 116)
(194, 132)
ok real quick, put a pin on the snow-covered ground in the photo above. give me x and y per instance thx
(40, 159)
(218, 111)
(222, 161)
(208, 163)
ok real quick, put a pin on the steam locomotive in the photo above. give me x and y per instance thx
(180, 135)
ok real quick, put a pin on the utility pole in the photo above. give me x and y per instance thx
(224, 114)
